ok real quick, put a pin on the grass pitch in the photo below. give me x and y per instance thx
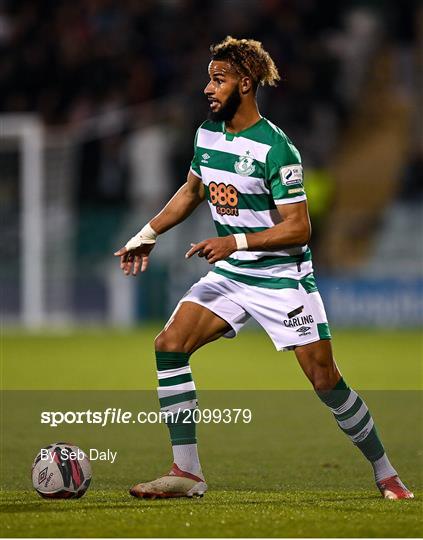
(289, 473)
(249, 513)
(373, 360)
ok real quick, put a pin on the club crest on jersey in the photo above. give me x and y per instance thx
(245, 165)
(291, 175)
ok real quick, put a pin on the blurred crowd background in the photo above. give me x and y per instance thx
(113, 92)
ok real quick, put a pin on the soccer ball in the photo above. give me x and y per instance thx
(61, 471)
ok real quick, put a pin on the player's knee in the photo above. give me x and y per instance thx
(319, 365)
(324, 378)
(323, 384)
(170, 341)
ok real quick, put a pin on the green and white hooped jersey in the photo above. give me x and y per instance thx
(246, 175)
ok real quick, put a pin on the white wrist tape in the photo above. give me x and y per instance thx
(147, 235)
(241, 242)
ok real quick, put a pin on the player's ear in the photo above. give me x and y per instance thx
(246, 85)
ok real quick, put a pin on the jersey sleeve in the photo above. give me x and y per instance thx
(284, 174)
(195, 162)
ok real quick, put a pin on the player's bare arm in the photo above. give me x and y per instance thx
(180, 206)
(293, 230)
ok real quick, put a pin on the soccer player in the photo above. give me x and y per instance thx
(250, 173)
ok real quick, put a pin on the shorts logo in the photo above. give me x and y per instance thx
(291, 175)
(303, 331)
(224, 198)
(245, 166)
(293, 322)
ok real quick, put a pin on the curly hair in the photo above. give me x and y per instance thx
(248, 58)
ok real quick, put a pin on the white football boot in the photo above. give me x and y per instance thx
(177, 483)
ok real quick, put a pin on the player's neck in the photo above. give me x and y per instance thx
(245, 117)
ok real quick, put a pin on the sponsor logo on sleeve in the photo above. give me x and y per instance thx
(291, 175)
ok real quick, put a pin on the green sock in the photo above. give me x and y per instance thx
(177, 395)
(354, 418)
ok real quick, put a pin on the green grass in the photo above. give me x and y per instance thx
(220, 514)
(125, 360)
(289, 473)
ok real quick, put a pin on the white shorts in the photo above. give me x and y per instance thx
(291, 317)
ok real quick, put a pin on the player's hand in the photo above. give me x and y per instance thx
(213, 249)
(134, 260)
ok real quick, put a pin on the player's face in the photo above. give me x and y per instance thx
(222, 91)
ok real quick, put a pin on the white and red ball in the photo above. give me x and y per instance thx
(61, 471)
